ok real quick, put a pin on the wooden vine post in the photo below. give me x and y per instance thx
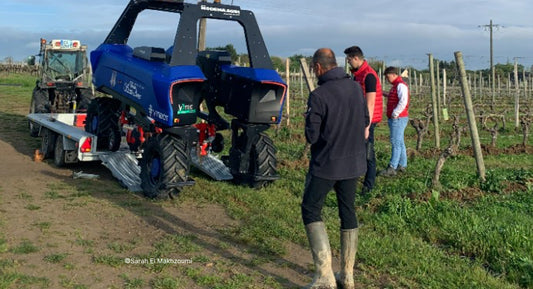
(445, 115)
(307, 75)
(288, 99)
(439, 99)
(470, 116)
(434, 100)
(517, 97)
(311, 87)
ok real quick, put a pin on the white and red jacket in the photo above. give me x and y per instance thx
(398, 100)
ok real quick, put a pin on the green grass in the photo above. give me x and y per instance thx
(25, 247)
(55, 258)
(113, 261)
(43, 226)
(17, 280)
(32, 207)
(134, 283)
(167, 283)
(4, 247)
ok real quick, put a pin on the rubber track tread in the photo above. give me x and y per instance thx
(265, 156)
(174, 159)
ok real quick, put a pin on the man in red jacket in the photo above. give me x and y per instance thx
(398, 114)
(369, 81)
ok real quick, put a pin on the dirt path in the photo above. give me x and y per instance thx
(60, 232)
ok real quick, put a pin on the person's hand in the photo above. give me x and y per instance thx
(367, 132)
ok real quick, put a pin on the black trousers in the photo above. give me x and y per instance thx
(370, 177)
(315, 193)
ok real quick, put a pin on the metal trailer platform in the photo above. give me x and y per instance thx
(123, 164)
(65, 125)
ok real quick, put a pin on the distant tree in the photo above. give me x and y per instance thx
(451, 69)
(229, 48)
(376, 64)
(278, 63)
(244, 60)
(502, 71)
(295, 61)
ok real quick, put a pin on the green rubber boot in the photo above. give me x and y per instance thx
(349, 239)
(318, 240)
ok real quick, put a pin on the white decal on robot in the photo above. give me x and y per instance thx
(132, 89)
(157, 114)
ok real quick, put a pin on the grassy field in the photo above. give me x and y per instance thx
(465, 234)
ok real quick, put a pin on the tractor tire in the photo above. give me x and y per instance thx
(84, 99)
(262, 161)
(165, 163)
(59, 152)
(48, 142)
(102, 120)
(39, 104)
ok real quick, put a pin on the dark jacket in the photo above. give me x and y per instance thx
(335, 127)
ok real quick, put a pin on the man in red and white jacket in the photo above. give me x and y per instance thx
(398, 114)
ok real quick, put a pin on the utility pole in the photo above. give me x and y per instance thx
(493, 73)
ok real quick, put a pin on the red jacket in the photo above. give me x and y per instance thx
(360, 75)
(393, 99)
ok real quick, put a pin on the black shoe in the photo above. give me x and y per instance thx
(388, 172)
(401, 169)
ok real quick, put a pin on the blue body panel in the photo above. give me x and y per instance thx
(146, 83)
(255, 74)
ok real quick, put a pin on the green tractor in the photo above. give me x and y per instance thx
(63, 84)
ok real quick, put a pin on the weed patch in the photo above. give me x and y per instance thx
(25, 247)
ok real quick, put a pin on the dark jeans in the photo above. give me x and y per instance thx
(370, 177)
(315, 193)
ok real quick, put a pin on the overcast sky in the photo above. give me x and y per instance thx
(401, 33)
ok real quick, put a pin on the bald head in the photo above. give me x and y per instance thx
(326, 58)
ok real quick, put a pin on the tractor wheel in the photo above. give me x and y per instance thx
(84, 99)
(48, 142)
(39, 104)
(164, 164)
(102, 120)
(262, 161)
(59, 152)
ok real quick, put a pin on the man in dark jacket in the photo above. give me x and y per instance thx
(335, 125)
